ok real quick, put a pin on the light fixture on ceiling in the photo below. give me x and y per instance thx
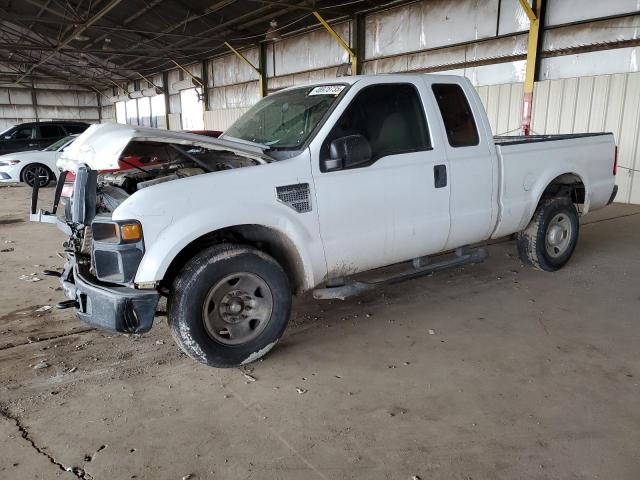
(106, 44)
(82, 38)
(272, 34)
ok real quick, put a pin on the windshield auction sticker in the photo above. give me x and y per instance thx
(326, 90)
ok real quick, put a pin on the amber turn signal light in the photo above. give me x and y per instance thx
(130, 232)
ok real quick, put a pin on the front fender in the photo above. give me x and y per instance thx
(183, 230)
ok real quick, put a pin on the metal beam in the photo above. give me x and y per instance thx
(73, 34)
(532, 53)
(341, 42)
(359, 36)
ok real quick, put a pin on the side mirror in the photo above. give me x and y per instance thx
(347, 152)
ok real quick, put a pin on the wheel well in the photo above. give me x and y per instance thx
(31, 165)
(263, 238)
(566, 185)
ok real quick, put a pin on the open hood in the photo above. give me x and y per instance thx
(101, 146)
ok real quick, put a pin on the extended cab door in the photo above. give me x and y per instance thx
(395, 206)
(473, 165)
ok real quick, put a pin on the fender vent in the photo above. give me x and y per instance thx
(295, 196)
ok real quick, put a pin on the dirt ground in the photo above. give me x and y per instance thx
(491, 371)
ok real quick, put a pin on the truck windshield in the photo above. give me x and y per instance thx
(285, 120)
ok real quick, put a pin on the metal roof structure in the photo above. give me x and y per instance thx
(92, 42)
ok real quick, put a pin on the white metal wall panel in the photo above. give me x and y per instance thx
(596, 104)
(503, 104)
(512, 18)
(234, 96)
(429, 24)
(560, 12)
(174, 103)
(230, 69)
(310, 51)
(175, 121)
(221, 119)
(617, 29)
(603, 62)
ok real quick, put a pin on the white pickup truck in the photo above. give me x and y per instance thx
(311, 187)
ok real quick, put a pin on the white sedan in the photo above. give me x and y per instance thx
(27, 166)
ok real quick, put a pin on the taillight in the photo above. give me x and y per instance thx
(615, 161)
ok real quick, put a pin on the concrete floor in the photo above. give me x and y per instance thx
(492, 371)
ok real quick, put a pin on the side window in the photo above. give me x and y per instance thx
(23, 133)
(73, 129)
(456, 115)
(390, 117)
(51, 131)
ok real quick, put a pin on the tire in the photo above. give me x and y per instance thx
(223, 322)
(30, 172)
(551, 237)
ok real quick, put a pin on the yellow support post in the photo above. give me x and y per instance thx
(532, 53)
(253, 67)
(341, 42)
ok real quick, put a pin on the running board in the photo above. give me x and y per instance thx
(463, 256)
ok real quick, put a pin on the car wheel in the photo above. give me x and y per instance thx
(551, 237)
(39, 171)
(229, 305)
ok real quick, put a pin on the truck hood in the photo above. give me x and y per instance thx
(101, 146)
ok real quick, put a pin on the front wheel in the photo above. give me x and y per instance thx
(39, 172)
(551, 237)
(229, 305)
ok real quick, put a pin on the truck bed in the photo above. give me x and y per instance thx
(528, 164)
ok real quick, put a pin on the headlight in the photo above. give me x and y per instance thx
(127, 231)
(9, 163)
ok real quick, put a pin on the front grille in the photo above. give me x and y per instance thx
(295, 196)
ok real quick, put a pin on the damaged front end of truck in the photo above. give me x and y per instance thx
(105, 167)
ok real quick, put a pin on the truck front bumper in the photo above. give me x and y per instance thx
(109, 307)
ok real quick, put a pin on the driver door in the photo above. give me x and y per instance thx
(391, 208)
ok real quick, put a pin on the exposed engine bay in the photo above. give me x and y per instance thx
(144, 164)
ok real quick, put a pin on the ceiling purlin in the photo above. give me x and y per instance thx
(79, 70)
(213, 8)
(248, 19)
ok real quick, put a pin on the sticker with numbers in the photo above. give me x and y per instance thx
(326, 90)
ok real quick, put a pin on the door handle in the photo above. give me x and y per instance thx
(440, 176)
(32, 144)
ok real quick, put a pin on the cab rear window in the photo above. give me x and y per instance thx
(456, 115)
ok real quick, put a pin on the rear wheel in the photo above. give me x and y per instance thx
(229, 305)
(37, 171)
(551, 237)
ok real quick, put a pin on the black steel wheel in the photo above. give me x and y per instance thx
(229, 305)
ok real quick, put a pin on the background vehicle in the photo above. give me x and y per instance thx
(27, 166)
(37, 135)
(312, 186)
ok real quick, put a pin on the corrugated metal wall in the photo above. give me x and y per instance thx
(609, 103)
(54, 102)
